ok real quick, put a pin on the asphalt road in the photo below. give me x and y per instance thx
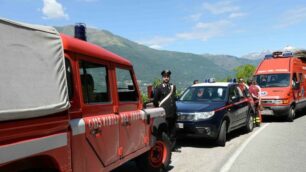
(199, 154)
(280, 147)
(275, 146)
(203, 155)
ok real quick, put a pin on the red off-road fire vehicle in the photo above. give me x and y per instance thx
(68, 105)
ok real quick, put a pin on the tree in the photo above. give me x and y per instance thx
(245, 71)
(144, 97)
(156, 82)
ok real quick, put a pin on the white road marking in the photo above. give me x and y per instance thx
(227, 166)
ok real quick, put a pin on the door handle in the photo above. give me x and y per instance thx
(126, 123)
(96, 132)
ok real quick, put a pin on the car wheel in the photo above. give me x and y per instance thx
(291, 114)
(158, 158)
(221, 139)
(250, 123)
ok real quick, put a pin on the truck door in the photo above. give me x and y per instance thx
(132, 127)
(296, 91)
(102, 125)
(302, 92)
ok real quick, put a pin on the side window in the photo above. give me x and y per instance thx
(125, 85)
(294, 79)
(94, 80)
(233, 93)
(301, 77)
(239, 92)
(69, 78)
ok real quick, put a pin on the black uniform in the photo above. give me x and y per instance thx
(160, 93)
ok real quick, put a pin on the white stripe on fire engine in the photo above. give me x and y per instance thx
(77, 126)
(155, 112)
(27, 148)
(103, 121)
(131, 116)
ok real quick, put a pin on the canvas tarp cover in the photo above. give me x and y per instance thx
(32, 71)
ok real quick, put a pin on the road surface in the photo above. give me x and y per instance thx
(275, 146)
(280, 147)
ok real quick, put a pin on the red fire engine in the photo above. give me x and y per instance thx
(68, 105)
(281, 77)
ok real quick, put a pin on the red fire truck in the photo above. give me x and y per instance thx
(68, 105)
(281, 77)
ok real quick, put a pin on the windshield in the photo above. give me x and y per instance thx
(273, 80)
(204, 94)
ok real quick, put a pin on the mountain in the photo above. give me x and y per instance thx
(257, 56)
(230, 62)
(148, 62)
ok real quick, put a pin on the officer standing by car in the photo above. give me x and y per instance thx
(165, 96)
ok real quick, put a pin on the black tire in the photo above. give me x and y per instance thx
(249, 126)
(291, 114)
(221, 139)
(158, 158)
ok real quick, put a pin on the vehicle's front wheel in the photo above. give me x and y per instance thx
(157, 159)
(250, 123)
(221, 139)
(291, 114)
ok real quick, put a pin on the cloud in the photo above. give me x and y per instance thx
(225, 12)
(88, 0)
(156, 47)
(221, 7)
(53, 10)
(204, 31)
(293, 16)
(195, 17)
(201, 31)
(236, 15)
(158, 42)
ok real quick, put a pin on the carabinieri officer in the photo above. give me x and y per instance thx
(165, 96)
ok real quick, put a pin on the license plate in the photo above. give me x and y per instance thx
(180, 125)
(267, 112)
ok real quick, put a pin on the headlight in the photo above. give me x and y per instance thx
(203, 115)
(185, 116)
(280, 101)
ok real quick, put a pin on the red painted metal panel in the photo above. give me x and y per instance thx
(81, 47)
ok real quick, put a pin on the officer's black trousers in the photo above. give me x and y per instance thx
(171, 121)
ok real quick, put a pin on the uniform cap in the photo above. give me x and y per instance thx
(166, 72)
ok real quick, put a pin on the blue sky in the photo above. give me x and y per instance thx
(234, 27)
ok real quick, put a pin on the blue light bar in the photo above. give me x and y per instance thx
(268, 56)
(211, 80)
(232, 80)
(287, 54)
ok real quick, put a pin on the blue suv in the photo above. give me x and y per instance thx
(211, 110)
